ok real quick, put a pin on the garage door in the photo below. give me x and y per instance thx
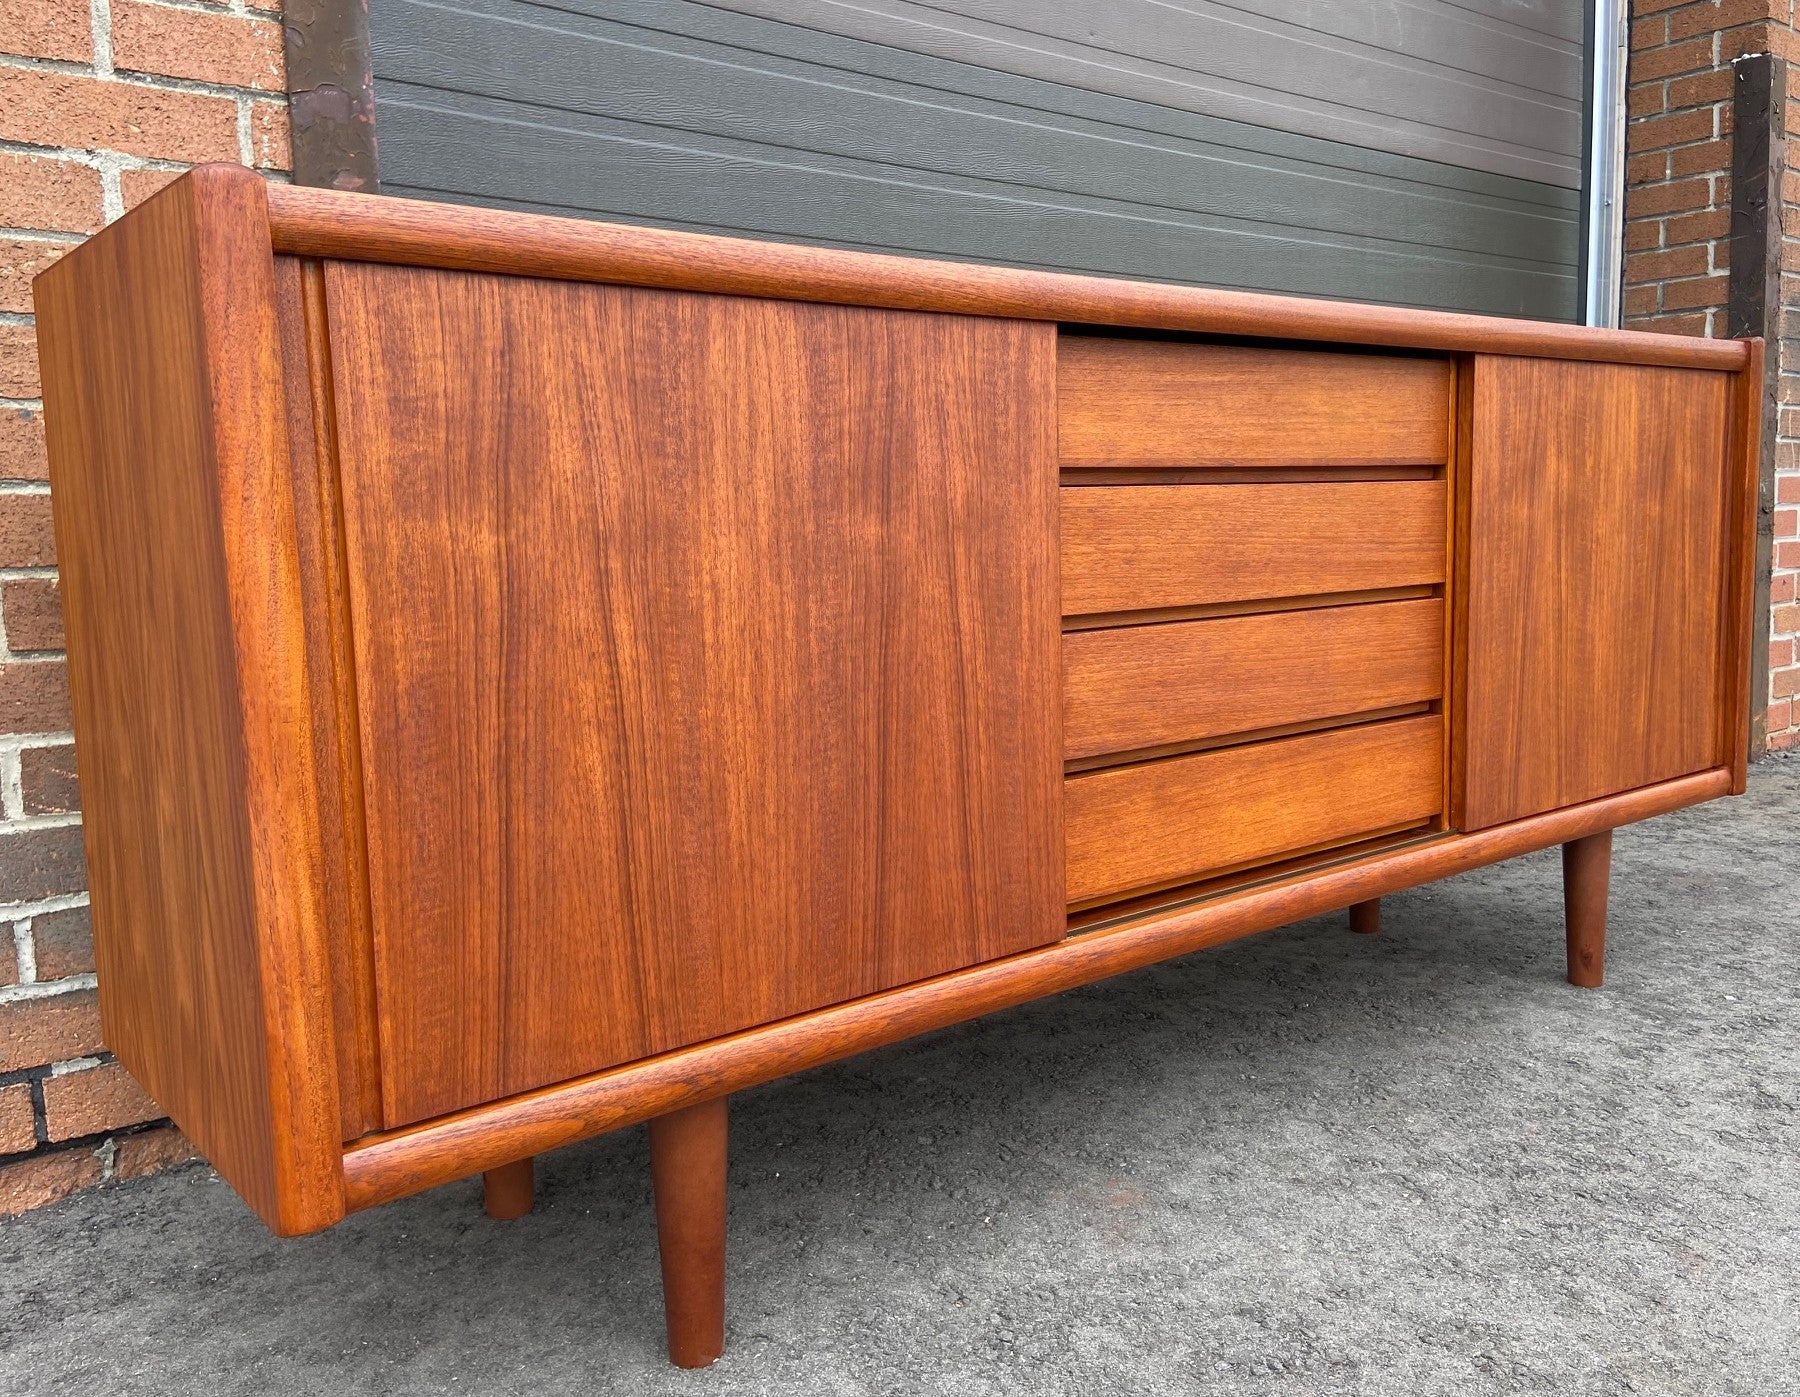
(1407, 151)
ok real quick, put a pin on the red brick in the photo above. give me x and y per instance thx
(27, 536)
(40, 863)
(1696, 227)
(1677, 325)
(1784, 683)
(48, 29)
(31, 610)
(18, 1127)
(48, 1028)
(34, 696)
(47, 780)
(1675, 129)
(1694, 91)
(1647, 169)
(1639, 300)
(50, 195)
(41, 107)
(1782, 588)
(20, 260)
(1701, 291)
(1780, 715)
(150, 1152)
(1649, 33)
(22, 442)
(1677, 196)
(270, 146)
(1781, 654)
(9, 956)
(1709, 157)
(1688, 20)
(1691, 260)
(207, 45)
(18, 362)
(1647, 99)
(64, 943)
(39, 1179)
(1787, 523)
(135, 186)
(1689, 56)
(1642, 234)
(1785, 620)
(1787, 489)
(94, 1100)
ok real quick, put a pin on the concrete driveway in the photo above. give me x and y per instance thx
(1305, 1163)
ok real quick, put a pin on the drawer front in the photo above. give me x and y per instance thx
(1137, 688)
(1147, 547)
(1150, 403)
(1174, 821)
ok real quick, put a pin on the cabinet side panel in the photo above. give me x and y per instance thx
(194, 903)
(706, 656)
(1597, 538)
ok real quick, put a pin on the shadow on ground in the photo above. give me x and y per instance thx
(1304, 1163)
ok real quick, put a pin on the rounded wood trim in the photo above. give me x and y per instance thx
(361, 227)
(380, 1168)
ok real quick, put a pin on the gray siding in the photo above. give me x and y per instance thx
(1490, 85)
(695, 116)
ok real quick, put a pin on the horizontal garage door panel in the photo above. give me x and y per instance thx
(689, 116)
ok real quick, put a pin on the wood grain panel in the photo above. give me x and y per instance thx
(1139, 547)
(1138, 402)
(1141, 687)
(1598, 501)
(187, 675)
(706, 658)
(1179, 819)
(422, 1157)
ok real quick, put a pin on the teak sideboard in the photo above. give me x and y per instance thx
(532, 677)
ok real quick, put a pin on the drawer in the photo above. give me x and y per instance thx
(1142, 687)
(1173, 821)
(1146, 547)
(1153, 403)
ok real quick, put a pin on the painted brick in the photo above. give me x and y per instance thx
(22, 442)
(94, 1101)
(41, 107)
(47, 781)
(49, 1028)
(64, 942)
(20, 260)
(40, 863)
(31, 610)
(27, 536)
(150, 1152)
(39, 1179)
(18, 1124)
(18, 362)
(48, 29)
(34, 696)
(206, 45)
(135, 186)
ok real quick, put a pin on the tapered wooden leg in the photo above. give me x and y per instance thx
(506, 1191)
(1365, 917)
(1587, 868)
(687, 1169)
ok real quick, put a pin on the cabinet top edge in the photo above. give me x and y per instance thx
(361, 227)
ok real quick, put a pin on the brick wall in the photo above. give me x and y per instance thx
(1677, 248)
(101, 103)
